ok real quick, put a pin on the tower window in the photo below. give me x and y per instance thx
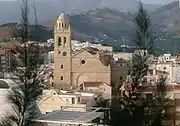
(59, 41)
(62, 78)
(64, 40)
(62, 66)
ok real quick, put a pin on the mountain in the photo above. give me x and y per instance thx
(48, 9)
(168, 17)
(109, 26)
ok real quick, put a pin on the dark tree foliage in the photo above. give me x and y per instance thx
(26, 73)
(104, 104)
(144, 38)
(132, 106)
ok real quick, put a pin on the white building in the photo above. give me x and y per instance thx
(63, 100)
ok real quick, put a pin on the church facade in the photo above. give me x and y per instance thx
(72, 68)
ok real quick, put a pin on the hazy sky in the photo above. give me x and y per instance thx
(157, 1)
(146, 1)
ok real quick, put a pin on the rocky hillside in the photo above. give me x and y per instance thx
(111, 24)
(168, 17)
(108, 26)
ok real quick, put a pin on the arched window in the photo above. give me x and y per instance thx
(62, 25)
(59, 41)
(62, 78)
(64, 40)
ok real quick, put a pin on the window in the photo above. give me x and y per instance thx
(121, 65)
(61, 66)
(121, 78)
(83, 61)
(52, 84)
(64, 53)
(59, 52)
(62, 25)
(79, 99)
(62, 78)
(59, 41)
(64, 40)
(73, 100)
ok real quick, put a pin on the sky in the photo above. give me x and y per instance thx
(145, 1)
(157, 1)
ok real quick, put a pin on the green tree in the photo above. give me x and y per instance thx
(144, 37)
(135, 107)
(27, 70)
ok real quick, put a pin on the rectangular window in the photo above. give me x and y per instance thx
(62, 78)
(64, 40)
(62, 66)
(79, 99)
(73, 100)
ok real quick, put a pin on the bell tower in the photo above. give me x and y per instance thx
(62, 52)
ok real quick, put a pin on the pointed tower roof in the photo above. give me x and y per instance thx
(63, 17)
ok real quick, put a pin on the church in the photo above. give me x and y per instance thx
(88, 65)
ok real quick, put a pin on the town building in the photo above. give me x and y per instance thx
(70, 118)
(89, 64)
(54, 99)
(6, 61)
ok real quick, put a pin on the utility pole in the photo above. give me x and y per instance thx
(124, 43)
(35, 14)
(173, 52)
(36, 35)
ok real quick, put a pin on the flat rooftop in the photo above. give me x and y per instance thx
(70, 117)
